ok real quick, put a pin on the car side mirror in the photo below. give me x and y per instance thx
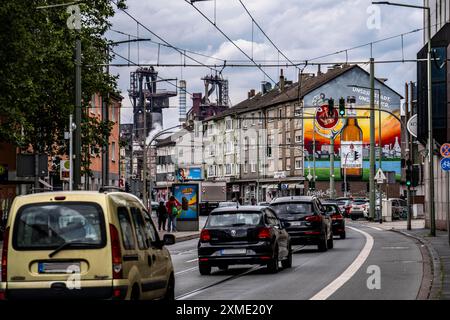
(168, 239)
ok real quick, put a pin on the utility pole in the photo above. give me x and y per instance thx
(332, 187)
(409, 162)
(71, 127)
(77, 144)
(372, 141)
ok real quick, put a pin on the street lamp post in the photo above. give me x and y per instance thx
(430, 116)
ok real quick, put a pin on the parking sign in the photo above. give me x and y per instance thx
(445, 164)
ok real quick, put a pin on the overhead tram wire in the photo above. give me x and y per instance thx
(161, 39)
(229, 39)
(168, 46)
(135, 64)
(268, 38)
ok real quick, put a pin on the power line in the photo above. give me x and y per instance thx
(167, 46)
(228, 38)
(160, 38)
(268, 38)
(157, 76)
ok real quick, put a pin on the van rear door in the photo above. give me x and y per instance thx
(58, 249)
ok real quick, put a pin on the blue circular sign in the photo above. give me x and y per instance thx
(445, 164)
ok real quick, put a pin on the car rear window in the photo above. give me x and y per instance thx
(234, 219)
(292, 209)
(331, 208)
(49, 225)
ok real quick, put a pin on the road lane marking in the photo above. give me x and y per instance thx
(375, 228)
(186, 270)
(200, 290)
(326, 292)
(191, 260)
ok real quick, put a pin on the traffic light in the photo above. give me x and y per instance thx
(408, 180)
(330, 107)
(312, 185)
(341, 107)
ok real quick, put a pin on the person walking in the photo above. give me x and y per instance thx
(161, 212)
(172, 211)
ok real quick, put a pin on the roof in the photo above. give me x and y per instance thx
(290, 93)
(239, 208)
(294, 198)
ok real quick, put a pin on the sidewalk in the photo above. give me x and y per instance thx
(181, 235)
(437, 247)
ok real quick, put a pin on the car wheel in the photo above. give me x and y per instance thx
(343, 235)
(273, 264)
(353, 218)
(170, 291)
(223, 268)
(205, 269)
(287, 263)
(322, 246)
(330, 243)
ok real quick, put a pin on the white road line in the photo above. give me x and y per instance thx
(326, 292)
(191, 260)
(376, 228)
(186, 270)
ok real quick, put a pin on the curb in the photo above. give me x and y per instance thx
(435, 283)
(185, 238)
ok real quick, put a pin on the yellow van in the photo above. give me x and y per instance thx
(84, 244)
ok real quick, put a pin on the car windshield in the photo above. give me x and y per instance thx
(292, 208)
(48, 226)
(234, 219)
(360, 201)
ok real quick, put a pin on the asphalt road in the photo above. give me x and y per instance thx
(339, 273)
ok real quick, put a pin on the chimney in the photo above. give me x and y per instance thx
(251, 93)
(281, 83)
(305, 76)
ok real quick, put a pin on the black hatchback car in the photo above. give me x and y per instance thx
(337, 219)
(308, 222)
(243, 235)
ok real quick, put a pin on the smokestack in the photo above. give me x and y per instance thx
(182, 97)
(281, 83)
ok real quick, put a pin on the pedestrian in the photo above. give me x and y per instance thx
(161, 212)
(253, 201)
(172, 211)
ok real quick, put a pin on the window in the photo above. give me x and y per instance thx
(253, 119)
(288, 164)
(246, 144)
(298, 136)
(49, 225)
(113, 151)
(139, 228)
(271, 115)
(228, 169)
(244, 122)
(150, 228)
(260, 117)
(230, 219)
(298, 163)
(229, 124)
(280, 114)
(246, 167)
(126, 228)
(271, 218)
(113, 113)
(253, 167)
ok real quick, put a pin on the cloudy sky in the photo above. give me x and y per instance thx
(302, 30)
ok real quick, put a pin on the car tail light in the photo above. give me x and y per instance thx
(265, 258)
(205, 236)
(337, 217)
(116, 253)
(314, 218)
(5, 256)
(203, 259)
(264, 233)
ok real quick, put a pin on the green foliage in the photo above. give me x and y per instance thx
(37, 72)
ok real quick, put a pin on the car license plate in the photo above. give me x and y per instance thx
(296, 223)
(59, 267)
(233, 251)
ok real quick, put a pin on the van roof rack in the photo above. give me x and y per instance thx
(110, 188)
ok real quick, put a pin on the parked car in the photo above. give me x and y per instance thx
(357, 209)
(244, 235)
(337, 219)
(107, 240)
(308, 222)
(264, 204)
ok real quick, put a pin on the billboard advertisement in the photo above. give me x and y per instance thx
(185, 174)
(186, 196)
(351, 132)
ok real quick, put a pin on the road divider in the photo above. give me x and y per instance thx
(326, 292)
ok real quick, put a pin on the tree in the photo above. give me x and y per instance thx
(37, 73)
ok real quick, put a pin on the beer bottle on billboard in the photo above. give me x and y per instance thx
(351, 145)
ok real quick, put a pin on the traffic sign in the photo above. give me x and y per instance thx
(380, 177)
(445, 150)
(412, 125)
(445, 164)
